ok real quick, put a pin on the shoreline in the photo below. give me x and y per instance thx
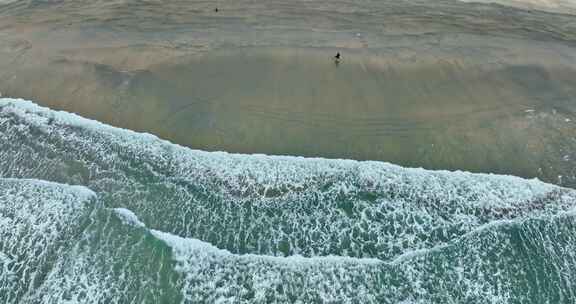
(414, 96)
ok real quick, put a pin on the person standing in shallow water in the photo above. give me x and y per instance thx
(337, 58)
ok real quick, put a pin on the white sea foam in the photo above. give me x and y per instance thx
(37, 222)
(275, 205)
(6, 274)
(448, 273)
(184, 246)
(31, 110)
(128, 217)
(212, 275)
(82, 193)
(40, 116)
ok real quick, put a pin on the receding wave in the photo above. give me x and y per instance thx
(162, 224)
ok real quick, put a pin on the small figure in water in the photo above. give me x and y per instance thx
(337, 58)
(216, 10)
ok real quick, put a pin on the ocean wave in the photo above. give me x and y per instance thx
(128, 217)
(170, 224)
(480, 266)
(38, 222)
(113, 260)
(272, 205)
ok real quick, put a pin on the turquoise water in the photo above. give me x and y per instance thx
(152, 222)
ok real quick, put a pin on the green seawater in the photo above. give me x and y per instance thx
(148, 221)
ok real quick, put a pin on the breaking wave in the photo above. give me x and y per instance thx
(154, 222)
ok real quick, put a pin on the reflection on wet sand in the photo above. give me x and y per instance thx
(442, 101)
(299, 103)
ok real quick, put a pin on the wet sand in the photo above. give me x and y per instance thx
(492, 89)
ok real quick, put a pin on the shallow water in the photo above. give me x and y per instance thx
(490, 89)
(437, 115)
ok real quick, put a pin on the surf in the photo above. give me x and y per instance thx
(191, 226)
